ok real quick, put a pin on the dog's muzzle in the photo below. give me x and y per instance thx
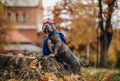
(48, 27)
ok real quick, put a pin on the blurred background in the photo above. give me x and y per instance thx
(91, 27)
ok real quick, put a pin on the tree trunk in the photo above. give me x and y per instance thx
(103, 52)
(107, 32)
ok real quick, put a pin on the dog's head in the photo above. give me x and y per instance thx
(48, 26)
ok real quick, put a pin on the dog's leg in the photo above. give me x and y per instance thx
(76, 67)
(58, 43)
(50, 45)
(80, 70)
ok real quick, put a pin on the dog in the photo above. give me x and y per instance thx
(60, 50)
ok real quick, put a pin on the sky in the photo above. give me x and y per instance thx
(47, 3)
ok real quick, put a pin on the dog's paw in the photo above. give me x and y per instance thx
(52, 55)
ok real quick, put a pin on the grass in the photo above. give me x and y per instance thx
(116, 77)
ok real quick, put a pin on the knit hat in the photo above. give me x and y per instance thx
(48, 20)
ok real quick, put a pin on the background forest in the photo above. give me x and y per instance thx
(90, 29)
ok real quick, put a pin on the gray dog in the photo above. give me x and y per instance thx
(60, 49)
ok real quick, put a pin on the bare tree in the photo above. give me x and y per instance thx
(105, 28)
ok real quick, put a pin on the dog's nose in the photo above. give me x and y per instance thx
(46, 26)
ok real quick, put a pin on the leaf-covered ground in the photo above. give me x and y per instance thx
(27, 68)
(88, 75)
(101, 74)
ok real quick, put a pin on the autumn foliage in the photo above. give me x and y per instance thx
(82, 27)
(5, 26)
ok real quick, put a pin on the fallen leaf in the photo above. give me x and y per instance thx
(61, 79)
(44, 79)
(12, 79)
(33, 63)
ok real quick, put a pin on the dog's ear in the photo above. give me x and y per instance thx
(54, 28)
(43, 27)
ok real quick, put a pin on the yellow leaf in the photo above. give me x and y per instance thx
(61, 79)
(39, 67)
(33, 63)
(51, 76)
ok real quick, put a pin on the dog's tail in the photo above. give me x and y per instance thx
(84, 65)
